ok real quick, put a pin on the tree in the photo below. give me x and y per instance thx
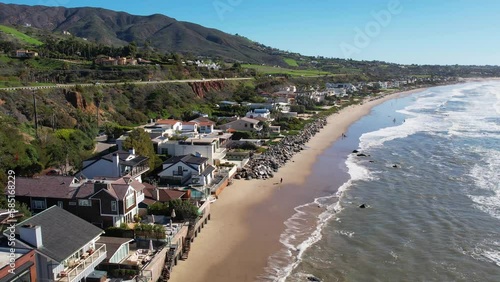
(130, 50)
(184, 210)
(139, 140)
(158, 208)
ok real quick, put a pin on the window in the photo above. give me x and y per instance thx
(38, 204)
(84, 203)
(246, 125)
(72, 203)
(113, 206)
(60, 204)
(130, 201)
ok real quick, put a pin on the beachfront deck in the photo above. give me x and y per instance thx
(82, 267)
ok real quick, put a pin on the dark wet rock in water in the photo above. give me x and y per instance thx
(312, 278)
(371, 161)
(395, 166)
(362, 206)
(355, 151)
(361, 155)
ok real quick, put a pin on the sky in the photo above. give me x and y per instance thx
(444, 32)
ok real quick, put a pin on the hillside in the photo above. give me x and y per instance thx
(162, 33)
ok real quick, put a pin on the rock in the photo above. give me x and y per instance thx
(395, 166)
(362, 206)
(361, 155)
(355, 151)
(312, 278)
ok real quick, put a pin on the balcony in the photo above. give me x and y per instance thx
(219, 153)
(81, 268)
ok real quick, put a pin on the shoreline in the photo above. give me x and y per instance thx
(248, 219)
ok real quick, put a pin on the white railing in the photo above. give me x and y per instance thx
(87, 261)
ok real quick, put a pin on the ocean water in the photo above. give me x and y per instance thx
(431, 183)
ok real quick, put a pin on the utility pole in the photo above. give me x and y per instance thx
(36, 118)
(53, 121)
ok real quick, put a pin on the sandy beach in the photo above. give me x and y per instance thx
(247, 219)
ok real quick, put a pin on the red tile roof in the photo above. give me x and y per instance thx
(165, 195)
(167, 121)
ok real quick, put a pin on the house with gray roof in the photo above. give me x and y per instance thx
(116, 164)
(243, 124)
(186, 169)
(103, 202)
(66, 246)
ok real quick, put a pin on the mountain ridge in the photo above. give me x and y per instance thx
(158, 31)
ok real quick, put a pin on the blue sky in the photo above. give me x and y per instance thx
(400, 31)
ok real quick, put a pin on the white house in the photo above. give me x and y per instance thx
(189, 126)
(263, 113)
(163, 130)
(209, 147)
(205, 125)
(172, 124)
(187, 169)
(116, 164)
(243, 124)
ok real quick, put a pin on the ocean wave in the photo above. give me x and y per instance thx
(488, 251)
(299, 235)
(469, 111)
(486, 178)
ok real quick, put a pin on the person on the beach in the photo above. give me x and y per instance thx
(281, 181)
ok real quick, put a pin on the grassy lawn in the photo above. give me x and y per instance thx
(45, 64)
(5, 59)
(20, 35)
(4, 84)
(291, 62)
(276, 70)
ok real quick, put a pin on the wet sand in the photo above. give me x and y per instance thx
(247, 219)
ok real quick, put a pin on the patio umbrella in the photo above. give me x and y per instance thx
(172, 215)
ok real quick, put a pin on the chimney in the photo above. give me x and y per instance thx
(132, 151)
(32, 234)
(116, 164)
(157, 194)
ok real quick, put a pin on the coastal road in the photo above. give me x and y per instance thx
(123, 83)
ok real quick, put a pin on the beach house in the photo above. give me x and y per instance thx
(65, 246)
(115, 165)
(186, 169)
(102, 202)
(209, 147)
(243, 124)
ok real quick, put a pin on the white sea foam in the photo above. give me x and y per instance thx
(493, 256)
(486, 175)
(487, 251)
(433, 114)
(299, 235)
